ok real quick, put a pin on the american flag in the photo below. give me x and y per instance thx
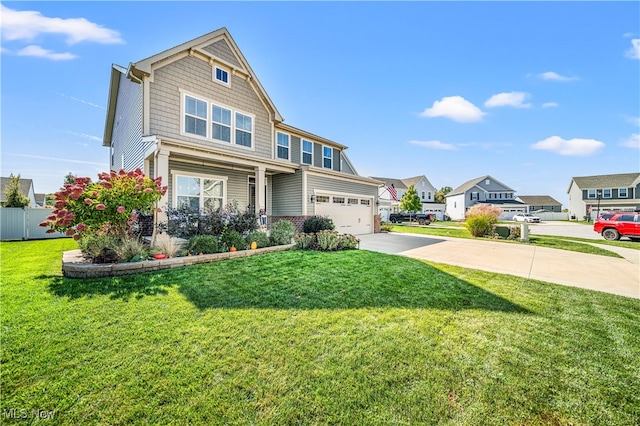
(392, 191)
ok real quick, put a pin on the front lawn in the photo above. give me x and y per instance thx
(351, 337)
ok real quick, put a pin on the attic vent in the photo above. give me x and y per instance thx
(487, 182)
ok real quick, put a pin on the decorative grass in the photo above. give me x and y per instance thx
(299, 337)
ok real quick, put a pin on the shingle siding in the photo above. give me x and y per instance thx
(127, 127)
(222, 50)
(295, 149)
(195, 76)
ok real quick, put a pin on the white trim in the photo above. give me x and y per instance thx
(208, 132)
(174, 181)
(288, 146)
(302, 152)
(214, 75)
(626, 193)
(610, 193)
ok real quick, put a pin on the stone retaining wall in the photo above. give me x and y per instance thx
(75, 266)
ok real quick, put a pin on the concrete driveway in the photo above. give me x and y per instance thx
(590, 271)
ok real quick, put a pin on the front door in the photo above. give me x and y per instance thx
(253, 201)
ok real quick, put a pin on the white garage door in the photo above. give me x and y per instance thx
(350, 215)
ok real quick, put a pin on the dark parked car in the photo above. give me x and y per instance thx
(421, 218)
(612, 226)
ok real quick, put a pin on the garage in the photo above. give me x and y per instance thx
(350, 214)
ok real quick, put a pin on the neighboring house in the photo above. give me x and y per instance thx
(426, 192)
(540, 203)
(588, 194)
(197, 116)
(26, 187)
(483, 190)
(40, 199)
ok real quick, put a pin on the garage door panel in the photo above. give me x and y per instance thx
(347, 218)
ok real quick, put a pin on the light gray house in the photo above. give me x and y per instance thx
(197, 116)
(540, 203)
(426, 192)
(26, 188)
(590, 194)
(483, 190)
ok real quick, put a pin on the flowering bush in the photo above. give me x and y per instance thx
(109, 205)
(481, 218)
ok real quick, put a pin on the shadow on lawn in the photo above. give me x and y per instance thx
(301, 280)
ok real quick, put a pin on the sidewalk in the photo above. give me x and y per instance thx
(590, 271)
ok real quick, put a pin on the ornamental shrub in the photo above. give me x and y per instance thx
(131, 250)
(305, 241)
(317, 223)
(232, 238)
(347, 242)
(282, 232)
(328, 240)
(204, 244)
(99, 247)
(481, 218)
(109, 205)
(13, 194)
(261, 239)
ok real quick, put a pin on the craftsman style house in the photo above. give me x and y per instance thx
(588, 195)
(197, 116)
(387, 204)
(483, 190)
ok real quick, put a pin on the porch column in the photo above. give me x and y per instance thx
(161, 169)
(261, 192)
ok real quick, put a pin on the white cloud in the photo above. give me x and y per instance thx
(37, 51)
(633, 120)
(554, 76)
(435, 145)
(27, 25)
(456, 108)
(512, 99)
(634, 50)
(550, 105)
(632, 142)
(571, 147)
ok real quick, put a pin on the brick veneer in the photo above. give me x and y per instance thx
(298, 221)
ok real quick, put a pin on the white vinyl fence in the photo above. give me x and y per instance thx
(552, 216)
(22, 224)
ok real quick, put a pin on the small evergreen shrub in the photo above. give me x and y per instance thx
(317, 224)
(261, 239)
(328, 240)
(386, 226)
(204, 244)
(305, 241)
(347, 242)
(282, 232)
(232, 238)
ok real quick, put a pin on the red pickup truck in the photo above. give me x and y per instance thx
(614, 225)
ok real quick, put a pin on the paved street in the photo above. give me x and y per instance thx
(601, 273)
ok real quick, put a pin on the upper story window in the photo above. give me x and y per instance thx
(221, 75)
(622, 193)
(199, 192)
(307, 152)
(282, 142)
(591, 193)
(221, 127)
(327, 157)
(222, 121)
(244, 129)
(606, 193)
(429, 196)
(195, 120)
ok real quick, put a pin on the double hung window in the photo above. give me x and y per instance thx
(307, 152)
(282, 142)
(327, 157)
(199, 192)
(195, 119)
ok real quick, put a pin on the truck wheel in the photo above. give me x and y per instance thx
(421, 221)
(611, 234)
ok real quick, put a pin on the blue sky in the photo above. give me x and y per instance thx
(530, 93)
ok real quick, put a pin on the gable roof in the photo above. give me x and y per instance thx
(473, 182)
(40, 199)
(404, 183)
(538, 200)
(143, 68)
(622, 180)
(25, 186)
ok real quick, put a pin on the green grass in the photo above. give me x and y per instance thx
(563, 243)
(312, 338)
